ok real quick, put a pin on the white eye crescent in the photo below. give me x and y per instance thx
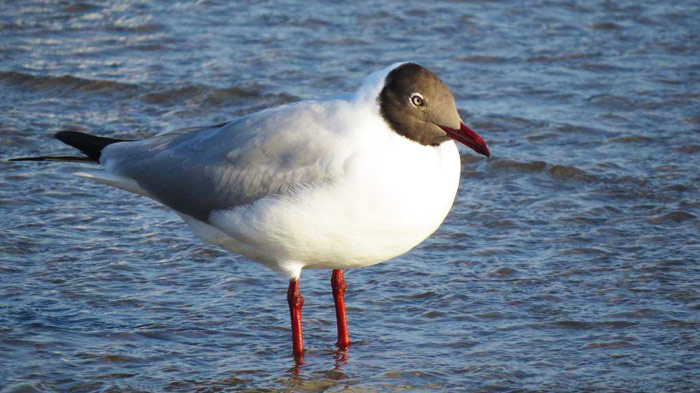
(417, 99)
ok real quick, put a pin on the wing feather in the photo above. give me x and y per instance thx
(197, 171)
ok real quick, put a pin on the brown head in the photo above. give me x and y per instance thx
(419, 106)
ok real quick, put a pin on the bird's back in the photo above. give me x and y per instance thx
(197, 171)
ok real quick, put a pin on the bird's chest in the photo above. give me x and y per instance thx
(406, 194)
(384, 205)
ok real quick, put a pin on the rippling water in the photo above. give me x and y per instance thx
(570, 261)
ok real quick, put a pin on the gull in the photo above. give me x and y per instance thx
(335, 183)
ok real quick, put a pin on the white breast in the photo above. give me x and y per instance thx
(394, 194)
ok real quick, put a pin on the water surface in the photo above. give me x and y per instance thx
(570, 261)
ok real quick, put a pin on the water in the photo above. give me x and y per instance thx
(570, 261)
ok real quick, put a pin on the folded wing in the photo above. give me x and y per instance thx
(197, 171)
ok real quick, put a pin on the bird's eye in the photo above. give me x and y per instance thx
(417, 99)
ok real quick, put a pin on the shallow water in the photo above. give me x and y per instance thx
(570, 261)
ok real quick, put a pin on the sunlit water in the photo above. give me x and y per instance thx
(570, 261)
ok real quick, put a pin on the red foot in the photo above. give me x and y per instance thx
(296, 302)
(338, 284)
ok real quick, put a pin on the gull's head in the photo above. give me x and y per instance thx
(417, 104)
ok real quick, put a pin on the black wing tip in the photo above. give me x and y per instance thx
(20, 159)
(90, 145)
(52, 158)
(61, 135)
(69, 137)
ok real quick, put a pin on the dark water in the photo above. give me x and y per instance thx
(570, 261)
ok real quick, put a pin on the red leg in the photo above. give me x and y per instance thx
(338, 284)
(296, 301)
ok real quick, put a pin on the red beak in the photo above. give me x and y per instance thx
(466, 136)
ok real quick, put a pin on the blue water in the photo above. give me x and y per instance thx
(570, 261)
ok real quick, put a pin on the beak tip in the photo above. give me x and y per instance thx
(468, 137)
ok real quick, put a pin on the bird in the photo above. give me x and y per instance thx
(340, 182)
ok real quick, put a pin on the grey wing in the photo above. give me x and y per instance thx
(197, 171)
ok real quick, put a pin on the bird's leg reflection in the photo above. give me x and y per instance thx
(341, 358)
(294, 371)
(296, 301)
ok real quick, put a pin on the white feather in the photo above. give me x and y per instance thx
(314, 184)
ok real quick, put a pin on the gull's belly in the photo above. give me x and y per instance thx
(377, 213)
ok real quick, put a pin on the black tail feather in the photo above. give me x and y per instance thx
(89, 144)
